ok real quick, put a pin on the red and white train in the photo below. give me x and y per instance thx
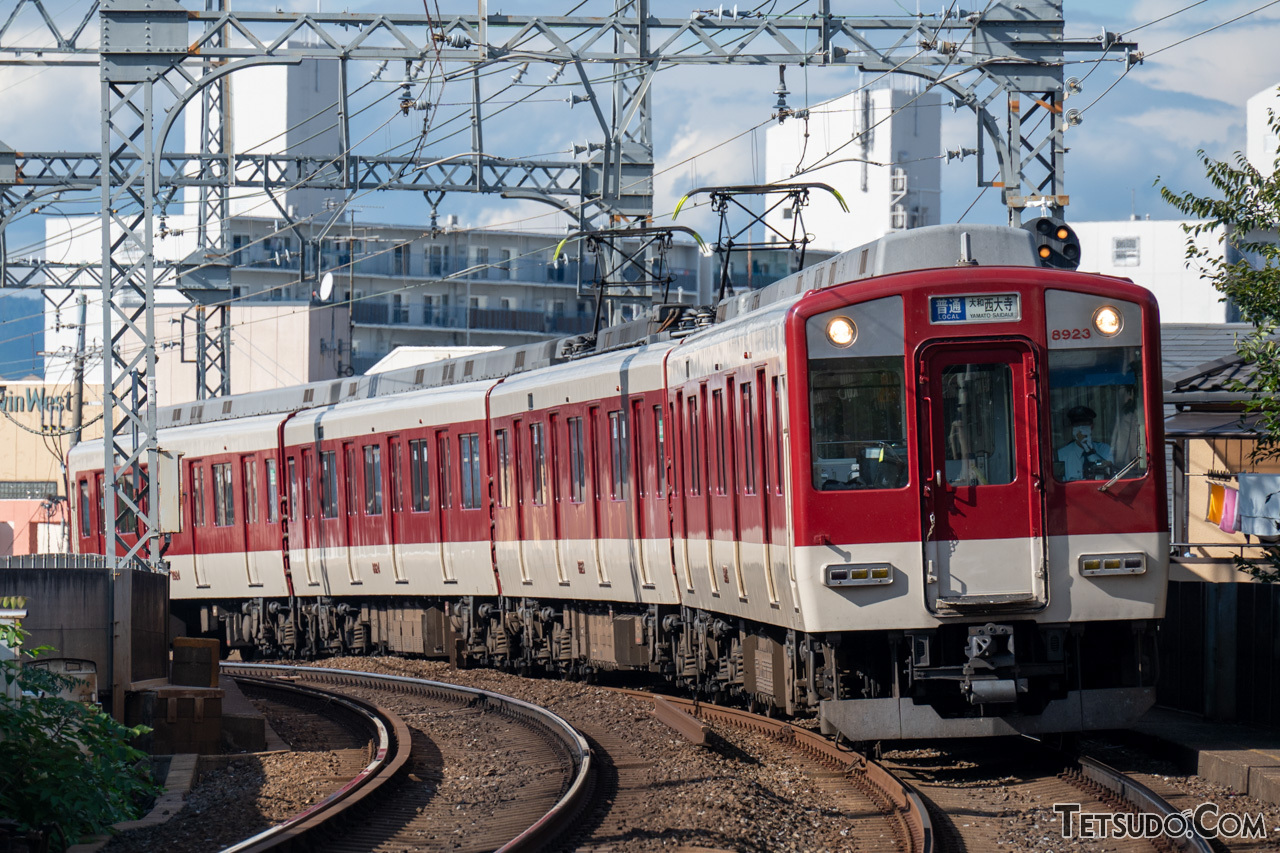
(915, 488)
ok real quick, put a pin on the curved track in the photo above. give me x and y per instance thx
(988, 795)
(448, 725)
(894, 816)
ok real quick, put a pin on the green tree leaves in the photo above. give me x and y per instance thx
(68, 766)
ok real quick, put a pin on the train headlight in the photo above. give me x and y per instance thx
(1108, 321)
(842, 331)
(857, 574)
(1113, 564)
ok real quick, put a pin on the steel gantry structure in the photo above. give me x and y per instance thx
(157, 57)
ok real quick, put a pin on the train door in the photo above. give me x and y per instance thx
(520, 489)
(599, 445)
(753, 489)
(444, 506)
(347, 530)
(642, 492)
(368, 535)
(722, 488)
(983, 515)
(778, 507)
(553, 483)
(250, 533)
(394, 517)
(311, 517)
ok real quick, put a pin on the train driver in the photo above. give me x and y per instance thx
(1083, 458)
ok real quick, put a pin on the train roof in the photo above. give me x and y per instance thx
(931, 247)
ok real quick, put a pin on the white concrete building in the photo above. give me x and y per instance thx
(1262, 142)
(880, 146)
(1152, 253)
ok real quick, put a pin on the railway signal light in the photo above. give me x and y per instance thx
(1056, 244)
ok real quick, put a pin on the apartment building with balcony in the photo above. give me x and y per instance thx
(456, 287)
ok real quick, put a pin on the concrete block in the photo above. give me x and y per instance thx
(1264, 784)
(1233, 767)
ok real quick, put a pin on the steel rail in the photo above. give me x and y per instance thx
(1141, 797)
(557, 819)
(392, 746)
(907, 804)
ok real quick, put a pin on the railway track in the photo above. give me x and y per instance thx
(482, 772)
(987, 796)
(860, 784)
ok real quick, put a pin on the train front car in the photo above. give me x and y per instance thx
(979, 499)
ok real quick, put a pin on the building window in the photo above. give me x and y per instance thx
(1125, 252)
(420, 475)
(502, 272)
(329, 484)
(400, 260)
(372, 479)
(224, 508)
(469, 459)
(438, 260)
(480, 260)
(577, 462)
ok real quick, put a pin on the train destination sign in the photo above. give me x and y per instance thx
(988, 308)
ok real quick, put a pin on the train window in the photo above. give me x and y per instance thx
(538, 450)
(637, 426)
(857, 423)
(977, 411)
(126, 518)
(717, 411)
(444, 463)
(695, 457)
(84, 509)
(503, 484)
(349, 475)
(328, 484)
(617, 443)
(420, 475)
(748, 443)
(660, 450)
(577, 462)
(197, 495)
(224, 507)
(273, 493)
(1097, 413)
(397, 477)
(777, 432)
(294, 502)
(372, 479)
(251, 491)
(469, 459)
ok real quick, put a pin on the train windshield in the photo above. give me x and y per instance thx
(1096, 406)
(857, 421)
